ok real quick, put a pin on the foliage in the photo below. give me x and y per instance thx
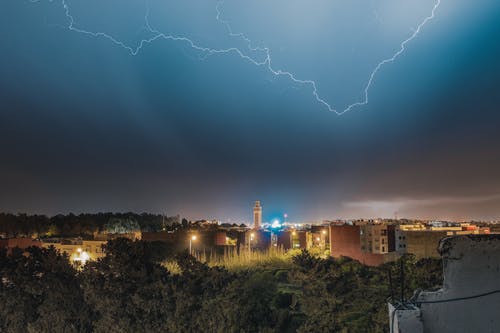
(40, 292)
(121, 226)
(272, 259)
(129, 291)
(83, 225)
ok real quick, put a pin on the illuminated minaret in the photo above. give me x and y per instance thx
(257, 215)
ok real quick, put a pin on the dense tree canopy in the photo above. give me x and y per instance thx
(130, 291)
(83, 225)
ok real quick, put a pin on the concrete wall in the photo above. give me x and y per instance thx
(405, 319)
(423, 244)
(21, 242)
(471, 267)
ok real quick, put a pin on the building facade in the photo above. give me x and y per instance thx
(257, 215)
(374, 238)
(423, 242)
(345, 241)
(79, 251)
(20, 242)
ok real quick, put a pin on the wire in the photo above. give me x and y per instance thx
(458, 298)
(416, 303)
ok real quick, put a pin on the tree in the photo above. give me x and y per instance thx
(128, 290)
(122, 226)
(40, 293)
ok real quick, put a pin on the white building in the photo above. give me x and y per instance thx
(469, 300)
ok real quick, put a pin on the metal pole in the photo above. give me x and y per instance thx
(390, 286)
(190, 240)
(402, 281)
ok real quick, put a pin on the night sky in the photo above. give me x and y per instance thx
(86, 126)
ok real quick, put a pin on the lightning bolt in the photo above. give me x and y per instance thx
(312, 83)
(266, 62)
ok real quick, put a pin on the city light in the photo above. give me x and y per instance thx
(276, 224)
(191, 240)
(81, 256)
(84, 257)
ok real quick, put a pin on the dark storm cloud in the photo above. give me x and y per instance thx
(84, 126)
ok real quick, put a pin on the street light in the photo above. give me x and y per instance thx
(323, 239)
(81, 256)
(252, 235)
(84, 256)
(191, 240)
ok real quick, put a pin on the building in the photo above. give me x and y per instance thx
(345, 241)
(79, 251)
(470, 297)
(257, 215)
(105, 236)
(284, 239)
(20, 242)
(299, 239)
(255, 240)
(423, 242)
(374, 238)
(400, 235)
(391, 237)
(319, 237)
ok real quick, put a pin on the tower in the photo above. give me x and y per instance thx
(257, 215)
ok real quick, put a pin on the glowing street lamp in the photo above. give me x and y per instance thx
(276, 224)
(191, 240)
(252, 236)
(323, 239)
(84, 256)
(81, 256)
